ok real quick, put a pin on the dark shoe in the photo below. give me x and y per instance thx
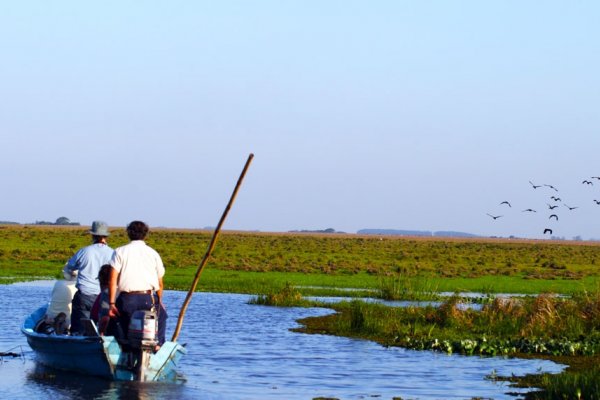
(43, 327)
(60, 324)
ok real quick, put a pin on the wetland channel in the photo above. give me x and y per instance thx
(242, 351)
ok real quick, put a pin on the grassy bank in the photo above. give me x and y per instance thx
(392, 287)
(253, 262)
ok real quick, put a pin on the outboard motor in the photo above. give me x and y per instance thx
(142, 334)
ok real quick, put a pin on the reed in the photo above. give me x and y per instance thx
(288, 296)
(580, 385)
(357, 316)
(541, 325)
(407, 285)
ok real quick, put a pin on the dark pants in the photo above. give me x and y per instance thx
(81, 307)
(127, 304)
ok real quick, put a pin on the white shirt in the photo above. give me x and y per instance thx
(139, 265)
(62, 294)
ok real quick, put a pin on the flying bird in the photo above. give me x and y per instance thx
(551, 187)
(548, 230)
(494, 216)
(551, 207)
(570, 208)
(585, 181)
(553, 215)
(597, 201)
(596, 177)
(506, 202)
(555, 198)
(529, 210)
(535, 186)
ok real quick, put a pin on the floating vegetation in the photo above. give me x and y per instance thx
(494, 347)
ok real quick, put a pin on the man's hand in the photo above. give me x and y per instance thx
(113, 312)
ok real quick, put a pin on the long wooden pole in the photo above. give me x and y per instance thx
(213, 241)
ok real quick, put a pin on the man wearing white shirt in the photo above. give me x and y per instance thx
(136, 280)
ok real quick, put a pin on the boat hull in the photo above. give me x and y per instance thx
(97, 355)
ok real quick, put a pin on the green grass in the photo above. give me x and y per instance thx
(388, 287)
(228, 281)
(584, 385)
(515, 284)
(261, 262)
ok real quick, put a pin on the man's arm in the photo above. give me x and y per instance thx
(112, 293)
(159, 292)
(73, 262)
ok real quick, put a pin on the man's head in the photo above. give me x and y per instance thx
(137, 230)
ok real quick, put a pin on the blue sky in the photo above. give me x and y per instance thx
(385, 114)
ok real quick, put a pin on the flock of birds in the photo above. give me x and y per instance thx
(554, 202)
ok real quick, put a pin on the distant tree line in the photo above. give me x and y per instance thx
(404, 232)
(328, 230)
(59, 221)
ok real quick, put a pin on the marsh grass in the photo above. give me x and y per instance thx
(407, 286)
(581, 385)
(363, 318)
(537, 325)
(250, 282)
(288, 296)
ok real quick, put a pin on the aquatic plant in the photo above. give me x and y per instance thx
(507, 326)
(288, 296)
(577, 385)
(357, 316)
(406, 285)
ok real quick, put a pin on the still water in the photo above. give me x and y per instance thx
(242, 351)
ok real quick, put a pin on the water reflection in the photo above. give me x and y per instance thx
(61, 384)
(58, 384)
(393, 303)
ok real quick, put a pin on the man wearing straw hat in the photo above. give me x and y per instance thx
(88, 261)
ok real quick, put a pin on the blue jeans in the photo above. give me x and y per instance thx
(128, 303)
(81, 307)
